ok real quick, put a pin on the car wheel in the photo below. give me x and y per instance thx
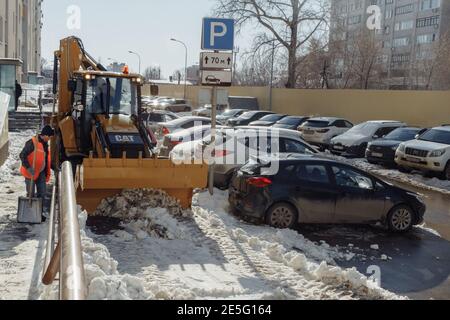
(282, 216)
(401, 219)
(446, 174)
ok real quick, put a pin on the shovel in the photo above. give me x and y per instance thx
(30, 209)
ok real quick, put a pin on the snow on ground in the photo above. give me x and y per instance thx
(209, 254)
(20, 245)
(163, 252)
(415, 178)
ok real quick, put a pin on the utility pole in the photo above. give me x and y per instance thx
(236, 51)
(271, 76)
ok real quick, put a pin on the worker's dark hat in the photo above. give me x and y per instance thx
(48, 131)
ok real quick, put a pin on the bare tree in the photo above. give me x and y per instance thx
(430, 68)
(312, 65)
(152, 73)
(357, 61)
(290, 22)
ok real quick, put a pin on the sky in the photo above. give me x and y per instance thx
(110, 28)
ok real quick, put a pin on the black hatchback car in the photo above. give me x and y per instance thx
(310, 189)
(382, 151)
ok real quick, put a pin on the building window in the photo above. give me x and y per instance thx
(430, 4)
(404, 9)
(427, 22)
(354, 20)
(389, 12)
(404, 25)
(426, 38)
(401, 42)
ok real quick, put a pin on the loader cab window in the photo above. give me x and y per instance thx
(116, 95)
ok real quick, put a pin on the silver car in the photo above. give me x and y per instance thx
(234, 148)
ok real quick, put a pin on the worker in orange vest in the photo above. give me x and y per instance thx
(41, 172)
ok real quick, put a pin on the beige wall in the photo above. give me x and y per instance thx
(421, 108)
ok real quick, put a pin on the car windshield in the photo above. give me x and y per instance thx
(272, 117)
(317, 124)
(367, 129)
(289, 121)
(436, 135)
(119, 92)
(231, 113)
(402, 134)
(248, 115)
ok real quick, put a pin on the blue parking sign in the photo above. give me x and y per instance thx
(218, 34)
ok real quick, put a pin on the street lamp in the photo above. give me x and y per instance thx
(185, 64)
(135, 53)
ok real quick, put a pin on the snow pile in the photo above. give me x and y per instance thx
(146, 213)
(12, 165)
(287, 247)
(156, 223)
(103, 280)
(415, 178)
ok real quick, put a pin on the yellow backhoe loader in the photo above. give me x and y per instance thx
(100, 131)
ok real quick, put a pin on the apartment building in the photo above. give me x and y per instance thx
(20, 36)
(406, 41)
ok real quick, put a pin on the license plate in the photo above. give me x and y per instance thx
(338, 147)
(414, 160)
(377, 155)
(308, 132)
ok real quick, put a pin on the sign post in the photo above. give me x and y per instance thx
(216, 69)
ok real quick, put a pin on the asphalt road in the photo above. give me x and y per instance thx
(418, 264)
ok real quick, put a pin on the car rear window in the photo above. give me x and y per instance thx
(290, 121)
(402, 134)
(248, 115)
(317, 124)
(272, 117)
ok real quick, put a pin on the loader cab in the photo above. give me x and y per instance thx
(99, 95)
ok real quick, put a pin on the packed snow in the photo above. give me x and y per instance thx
(208, 254)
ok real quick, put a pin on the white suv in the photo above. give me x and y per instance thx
(430, 152)
(320, 131)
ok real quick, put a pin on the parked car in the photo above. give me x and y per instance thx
(206, 111)
(230, 113)
(314, 190)
(170, 141)
(430, 152)
(291, 123)
(354, 142)
(382, 151)
(154, 119)
(320, 131)
(246, 118)
(176, 105)
(182, 124)
(268, 120)
(230, 156)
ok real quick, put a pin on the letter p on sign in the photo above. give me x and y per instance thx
(218, 34)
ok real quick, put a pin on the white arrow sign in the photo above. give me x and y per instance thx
(216, 60)
(216, 78)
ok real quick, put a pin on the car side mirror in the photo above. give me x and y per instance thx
(417, 136)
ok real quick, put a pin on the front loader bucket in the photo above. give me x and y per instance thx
(102, 178)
